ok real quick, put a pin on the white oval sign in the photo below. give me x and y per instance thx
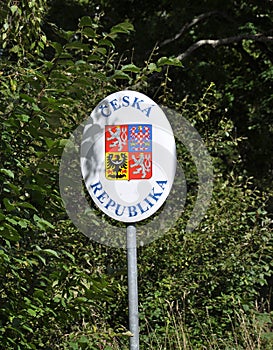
(128, 156)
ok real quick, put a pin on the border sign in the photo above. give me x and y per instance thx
(127, 172)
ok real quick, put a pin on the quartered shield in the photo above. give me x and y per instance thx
(128, 152)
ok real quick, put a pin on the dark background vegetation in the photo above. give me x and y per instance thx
(212, 62)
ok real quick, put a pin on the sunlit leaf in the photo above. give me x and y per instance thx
(7, 172)
(130, 68)
(167, 61)
(124, 27)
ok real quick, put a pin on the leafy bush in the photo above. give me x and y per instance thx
(49, 287)
(58, 290)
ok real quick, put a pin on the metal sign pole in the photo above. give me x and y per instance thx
(132, 286)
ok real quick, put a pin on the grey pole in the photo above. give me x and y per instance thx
(132, 286)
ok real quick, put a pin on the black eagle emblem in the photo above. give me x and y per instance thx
(117, 162)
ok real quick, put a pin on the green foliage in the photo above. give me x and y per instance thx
(48, 286)
(221, 266)
(21, 33)
(58, 290)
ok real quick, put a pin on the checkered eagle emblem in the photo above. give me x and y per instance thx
(128, 152)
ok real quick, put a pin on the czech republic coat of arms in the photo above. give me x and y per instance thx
(128, 152)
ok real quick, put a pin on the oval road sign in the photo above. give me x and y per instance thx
(128, 156)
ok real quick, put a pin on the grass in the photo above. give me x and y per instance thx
(251, 330)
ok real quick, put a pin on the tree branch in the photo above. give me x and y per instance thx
(188, 25)
(225, 41)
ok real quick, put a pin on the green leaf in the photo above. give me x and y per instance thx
(124, 27)
(7, 172)
(9, 232)
(57, 46)
(24, 326)
(93, 58)
(101, 76)
(23, 223)
(43, 260)
(8, 205)
(13, 9)
(84, 340)
(57, 147)
(119, 75)
(89, 32)
(15, 49)
(23, 117)
(67, 56)
(43, 38)
(50, 252)
(69, 255)
(101, 50)
(77, 45)
(11, 220)
(31, 312)
(49, 142)
(42, 223)
(105, 42)
(152, 67)
(85, 21)
(35, 107)
(166, 61)
(130, 68)
(26, 205)
(47, 165)
(2, 216)
(27, 98)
